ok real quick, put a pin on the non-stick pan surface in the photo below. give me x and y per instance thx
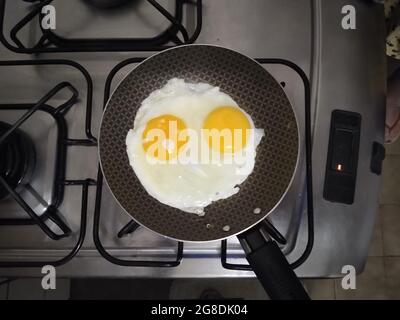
(255, 90)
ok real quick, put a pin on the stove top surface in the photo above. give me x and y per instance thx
(303, 32)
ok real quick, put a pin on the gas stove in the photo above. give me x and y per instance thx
(66, 215)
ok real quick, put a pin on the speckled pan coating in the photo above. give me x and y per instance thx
(255, 90)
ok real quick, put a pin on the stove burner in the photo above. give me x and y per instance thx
(49, 41)
(17, 159)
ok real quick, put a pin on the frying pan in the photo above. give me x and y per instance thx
(258, 93)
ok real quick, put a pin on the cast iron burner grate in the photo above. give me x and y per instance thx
(49, 41)
(132, 226)
(60, 181)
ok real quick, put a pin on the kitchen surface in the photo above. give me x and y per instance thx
(67, 215)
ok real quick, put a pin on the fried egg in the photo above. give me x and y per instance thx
(178, 153)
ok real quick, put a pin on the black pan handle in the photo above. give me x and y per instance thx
(270, 266)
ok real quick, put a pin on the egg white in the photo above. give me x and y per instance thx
(193, 186)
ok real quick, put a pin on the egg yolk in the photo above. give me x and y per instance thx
(164, 136)
(227, 129)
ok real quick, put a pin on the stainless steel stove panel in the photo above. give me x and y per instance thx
(286, 218)
(350, 74)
